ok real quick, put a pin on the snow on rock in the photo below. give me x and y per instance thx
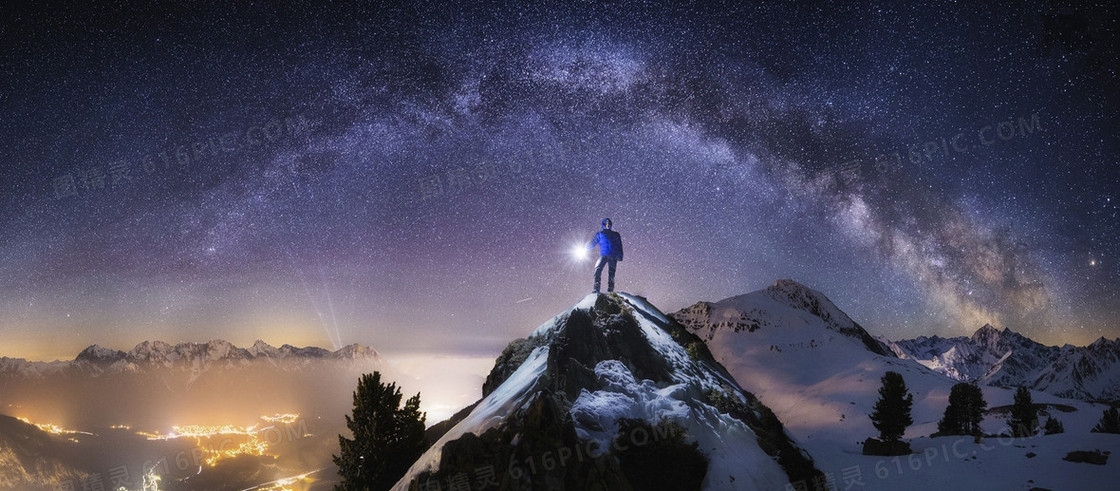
(735, 459)
(596, 413)
(606, 358)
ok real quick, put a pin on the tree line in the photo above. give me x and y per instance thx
(963, 415)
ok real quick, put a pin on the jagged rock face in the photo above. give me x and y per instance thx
(590, 337)
(696, 315)
(693, 316)
(553, 402)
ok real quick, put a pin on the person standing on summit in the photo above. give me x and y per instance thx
(610, 253)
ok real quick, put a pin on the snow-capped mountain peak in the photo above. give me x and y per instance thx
(219, 349)
(99, 355)
(986, 335)
(356, 351)
(1105, 345)
(802, 297)
(785, 305)
(262, 349)
(151, 351)
(570, 384)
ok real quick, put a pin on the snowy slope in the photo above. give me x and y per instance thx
(1008, 359)
(822, 384)
(608, 357)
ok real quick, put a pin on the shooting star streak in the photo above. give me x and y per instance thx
(524, 300)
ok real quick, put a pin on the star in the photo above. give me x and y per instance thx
(354, 172)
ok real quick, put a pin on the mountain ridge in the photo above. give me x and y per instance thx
(1006, 358)
(785, 292)
(97, 359)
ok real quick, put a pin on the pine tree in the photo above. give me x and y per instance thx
(972, 409)
(1024, 417)
(1053, 426)
(388, 438)
(891, 414)
(1109, 423)
(964, 412)
(949, 424)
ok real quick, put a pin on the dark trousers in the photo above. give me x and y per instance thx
(611, 263)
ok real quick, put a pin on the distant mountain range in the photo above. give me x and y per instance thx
(1005, 358)
(193, 357)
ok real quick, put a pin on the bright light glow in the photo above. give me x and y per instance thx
(579, 252)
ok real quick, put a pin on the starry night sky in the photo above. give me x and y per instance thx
(412, 177)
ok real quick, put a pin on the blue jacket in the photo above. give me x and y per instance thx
(609, 242)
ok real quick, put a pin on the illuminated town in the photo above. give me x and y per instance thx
(215, 443)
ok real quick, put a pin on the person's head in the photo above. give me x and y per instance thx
(606, 224)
